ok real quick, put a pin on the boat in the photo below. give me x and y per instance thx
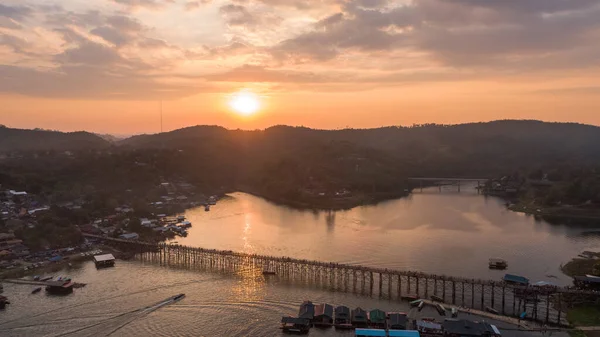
(47, 278)
(206, 208)
(515, 279)
(212, 200)
(436, 298)
(268, 272)
(36, 278)
(497, 263)
(36, 290)
(178, 297)
(59, 287)
(3, 302)
(415, 303)
(180, 218)
(454, 312)
(410, 297)
(421, 306)
(491, 310)
(440, 309)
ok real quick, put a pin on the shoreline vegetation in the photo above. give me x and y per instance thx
(328, 203)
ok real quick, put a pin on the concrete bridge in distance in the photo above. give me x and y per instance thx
(448, 181)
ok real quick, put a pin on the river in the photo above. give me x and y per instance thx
(430, 231)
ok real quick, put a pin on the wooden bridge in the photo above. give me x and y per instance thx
(542, 304)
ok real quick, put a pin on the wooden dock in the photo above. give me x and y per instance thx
(542, 305)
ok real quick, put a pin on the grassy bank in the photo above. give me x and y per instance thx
(568, 214)
(584, 316)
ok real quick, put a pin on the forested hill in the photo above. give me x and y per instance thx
(14, 140)
(458, 150)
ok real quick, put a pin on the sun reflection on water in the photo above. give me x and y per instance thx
(251, 285)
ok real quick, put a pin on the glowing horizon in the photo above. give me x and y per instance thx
(102, 65)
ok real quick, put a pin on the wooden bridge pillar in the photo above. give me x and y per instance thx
(417, 284)
(380, 283)
(463, 293)
(444, 290)
(559, 308)
(503, 297)
(473, 294)
(453, 292)
(547, 308)
(493, 295)
(482, 296)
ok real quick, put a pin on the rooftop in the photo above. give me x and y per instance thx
(104, 257)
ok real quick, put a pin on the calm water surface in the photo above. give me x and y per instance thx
(443, 233)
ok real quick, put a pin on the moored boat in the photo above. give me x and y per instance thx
(3, 302)
(415, 303)
(410, 297)
(178, 297)
(421, 306)
(436, 298)
(36, 290)
(491, 310)
(497, 263)
(454, 312)
(440, 309)
(515, 279)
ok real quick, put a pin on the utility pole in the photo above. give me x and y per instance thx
(161, 118)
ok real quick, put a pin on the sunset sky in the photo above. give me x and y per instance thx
(104, 65)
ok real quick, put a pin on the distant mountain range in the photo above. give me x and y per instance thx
(465, 149)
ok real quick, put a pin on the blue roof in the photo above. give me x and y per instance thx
(516, 279)
(369, 332)
(404, 333)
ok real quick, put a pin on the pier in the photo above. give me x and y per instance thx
(545, 305)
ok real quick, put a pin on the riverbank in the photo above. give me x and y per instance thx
(327, 202)
(67, 260)
(563, 214)
(584, 264)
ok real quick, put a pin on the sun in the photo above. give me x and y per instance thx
(244, 103)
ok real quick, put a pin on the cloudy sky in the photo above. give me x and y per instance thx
(104, 65)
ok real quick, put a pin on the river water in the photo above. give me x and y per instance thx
(430, 231)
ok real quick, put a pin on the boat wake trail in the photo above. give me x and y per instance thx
(118, 322)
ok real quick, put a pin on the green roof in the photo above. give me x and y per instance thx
(377, 316)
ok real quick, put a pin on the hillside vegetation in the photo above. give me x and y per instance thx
(300, 165)
(14, 140)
